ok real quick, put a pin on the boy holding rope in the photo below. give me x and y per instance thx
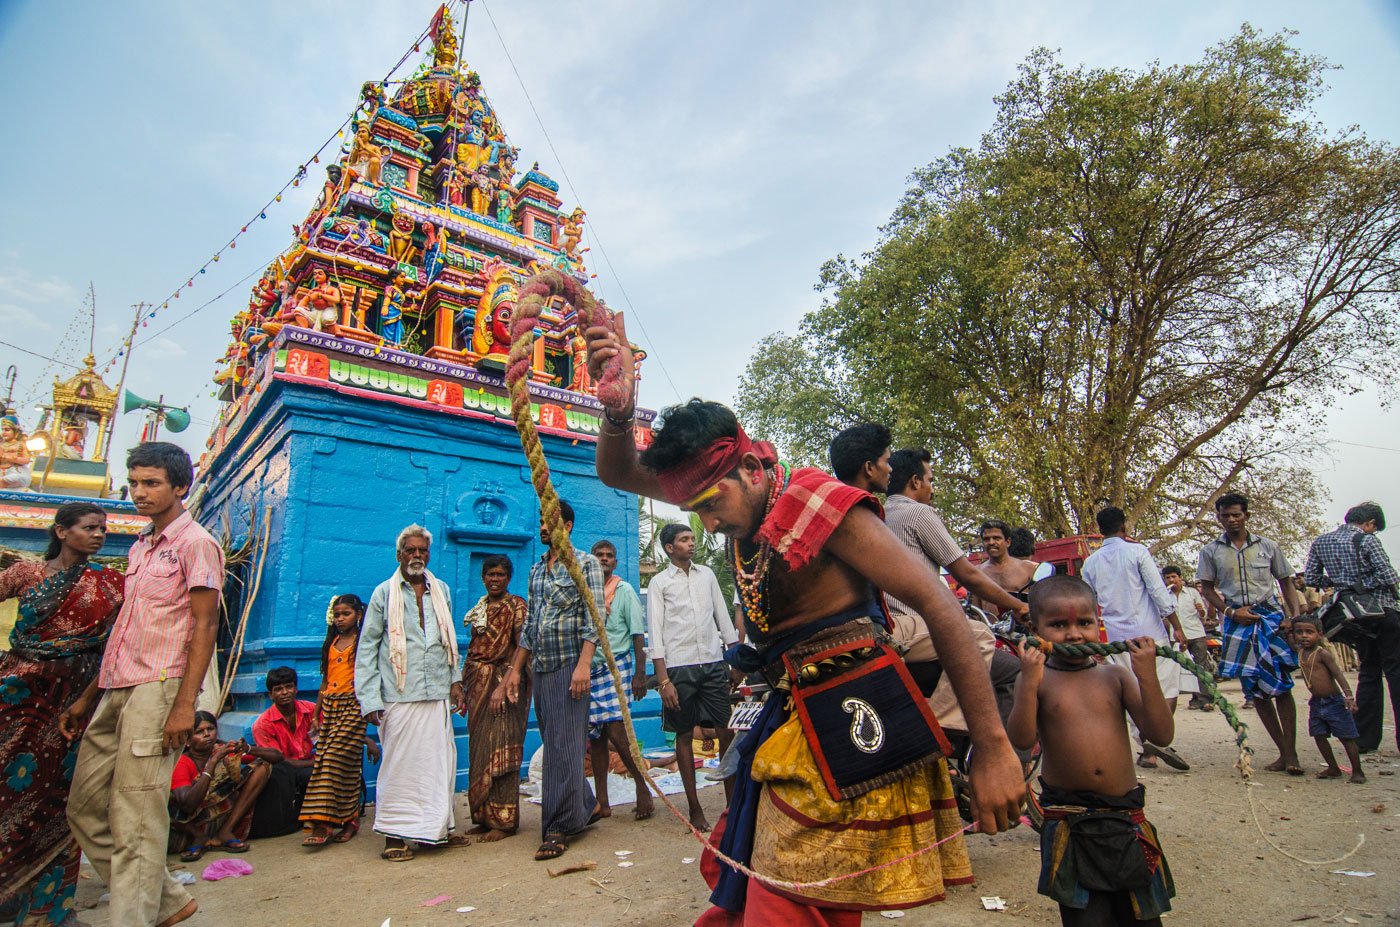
(1100, 858)
(828, 831)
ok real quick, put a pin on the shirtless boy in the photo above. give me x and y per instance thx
(1010, 573)
(1112, 872)
(1332, 704)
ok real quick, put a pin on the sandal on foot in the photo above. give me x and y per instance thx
(313, 840)
(458, 840)
(193, 855)
(397, 854)
(347, 833)
(552, 848)
(1166, 755)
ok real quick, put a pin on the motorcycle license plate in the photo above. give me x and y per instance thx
(744, 714)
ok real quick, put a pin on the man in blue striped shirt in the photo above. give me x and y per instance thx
(559, 641)
(1352, 557)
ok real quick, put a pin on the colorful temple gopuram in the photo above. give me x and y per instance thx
(363, 386)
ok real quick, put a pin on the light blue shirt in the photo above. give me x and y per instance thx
(430, 670)
(1130, 590)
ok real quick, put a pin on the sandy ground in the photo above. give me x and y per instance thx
(1226, 874)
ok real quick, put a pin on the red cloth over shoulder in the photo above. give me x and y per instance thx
(185, 772)
(807, 513)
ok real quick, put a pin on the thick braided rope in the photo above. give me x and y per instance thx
(1208, 686)
(533, 295)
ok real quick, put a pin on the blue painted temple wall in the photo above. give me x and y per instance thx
(341, 476)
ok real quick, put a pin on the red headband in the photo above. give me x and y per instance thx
(711, 465)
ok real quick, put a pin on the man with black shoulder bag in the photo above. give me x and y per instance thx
(1365, 612)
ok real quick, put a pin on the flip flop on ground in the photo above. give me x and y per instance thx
(397, 854)
(552, 848)
(1166, 755)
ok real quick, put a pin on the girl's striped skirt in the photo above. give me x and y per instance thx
(333, 794)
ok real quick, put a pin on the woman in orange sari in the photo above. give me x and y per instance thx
(66, 609)
(495, 728)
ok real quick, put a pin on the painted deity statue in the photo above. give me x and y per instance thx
(581, 382)
(74, 440)
(472, 143)
(16, 466)
(573, 232)
(491, 332)
(391, 316)
(483, 190)
(401, 247)
(321, 304)
(434, 251)
(366, 152)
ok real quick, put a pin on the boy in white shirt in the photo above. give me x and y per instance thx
(1190, 613)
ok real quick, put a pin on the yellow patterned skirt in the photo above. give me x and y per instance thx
(804, 835)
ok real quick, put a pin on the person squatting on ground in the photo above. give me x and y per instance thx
(1190, 615)
(1352, 557)
(155, 663)
(1100, 858)
(558, 642)
(333, 799)
(66, 608)
(287, 726)
(626, 627)
(808, 552)
(213, 791)
(1331, 707)
(690, 628)
(407, 684)
(495, 727)
(1136, 603)
(1240, 573)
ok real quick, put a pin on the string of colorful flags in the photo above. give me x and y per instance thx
(260, 215)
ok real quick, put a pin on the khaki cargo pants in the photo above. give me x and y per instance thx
(118, 803)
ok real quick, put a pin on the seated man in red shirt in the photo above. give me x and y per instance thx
(288, 727)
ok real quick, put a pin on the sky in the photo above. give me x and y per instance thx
(723, 152)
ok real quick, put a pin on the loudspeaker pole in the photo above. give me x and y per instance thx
(121, 382)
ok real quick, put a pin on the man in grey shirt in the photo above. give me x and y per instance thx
(1240, 574)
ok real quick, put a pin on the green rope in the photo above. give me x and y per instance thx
(1227, 710)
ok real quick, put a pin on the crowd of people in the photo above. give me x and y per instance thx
(849, 609)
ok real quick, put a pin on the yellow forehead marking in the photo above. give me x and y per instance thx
(703, 496)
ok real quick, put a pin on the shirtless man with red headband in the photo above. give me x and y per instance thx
(806, 551)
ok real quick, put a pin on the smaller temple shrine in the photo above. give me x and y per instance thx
(363, 384)
(63, 460)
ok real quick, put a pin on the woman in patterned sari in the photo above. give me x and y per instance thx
(66, 608)
(495, 729)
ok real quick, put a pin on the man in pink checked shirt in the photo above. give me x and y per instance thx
(155, 662)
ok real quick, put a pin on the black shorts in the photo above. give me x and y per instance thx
(703, 690)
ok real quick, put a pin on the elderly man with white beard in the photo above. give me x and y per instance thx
(407, 678)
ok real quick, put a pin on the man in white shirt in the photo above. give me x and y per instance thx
(1190, 614)
(1134, 602)
(689, 627)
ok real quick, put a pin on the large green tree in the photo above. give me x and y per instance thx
(1139, 289)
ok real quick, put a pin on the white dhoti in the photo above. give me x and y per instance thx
(417, 773)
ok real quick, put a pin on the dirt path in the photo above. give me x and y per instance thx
(1225, 872)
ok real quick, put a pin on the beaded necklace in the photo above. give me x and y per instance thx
(751, 574)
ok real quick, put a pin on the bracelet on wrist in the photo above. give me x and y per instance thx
(622, 424)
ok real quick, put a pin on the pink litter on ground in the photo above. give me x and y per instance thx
(431, 902)
(226, 869)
